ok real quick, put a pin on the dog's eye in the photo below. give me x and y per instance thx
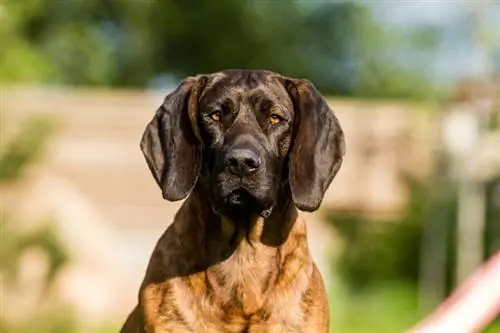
(215, 116)
(275, 119)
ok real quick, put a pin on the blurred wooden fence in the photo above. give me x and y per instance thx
(96, 146)
(96, 184)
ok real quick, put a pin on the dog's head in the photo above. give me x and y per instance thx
(244, 134)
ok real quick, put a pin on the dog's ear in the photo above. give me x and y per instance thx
(170, 144)
(318, 147)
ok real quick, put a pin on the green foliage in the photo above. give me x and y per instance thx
(376, 250)
(492, 232)
(21, 61)
(338, 45)
(397, 82)
(25, 148)
(16, 242)
(379, 261)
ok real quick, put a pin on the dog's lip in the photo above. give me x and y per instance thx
(239, 195)
(240, 191)
(241, 200)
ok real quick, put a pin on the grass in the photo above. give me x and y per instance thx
(386, 308)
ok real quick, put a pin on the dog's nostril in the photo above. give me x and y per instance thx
(253, 163)
(242, 162)
(232, 162)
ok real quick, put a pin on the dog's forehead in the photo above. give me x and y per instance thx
(248, 83)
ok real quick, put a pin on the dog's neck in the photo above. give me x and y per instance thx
(242, 257)
(254, 228)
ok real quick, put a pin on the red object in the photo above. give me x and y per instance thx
(471, 307)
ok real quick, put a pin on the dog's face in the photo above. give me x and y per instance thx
(245, 134)
(245, 121)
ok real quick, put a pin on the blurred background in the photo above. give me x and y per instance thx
(414, 209)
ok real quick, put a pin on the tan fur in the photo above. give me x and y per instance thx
(256, 288)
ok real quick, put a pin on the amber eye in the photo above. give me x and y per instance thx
(275, 119)
(215, 116)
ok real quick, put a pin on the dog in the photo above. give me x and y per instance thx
(246, 149)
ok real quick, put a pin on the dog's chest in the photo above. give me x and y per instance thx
(244, 297)
(243, 281)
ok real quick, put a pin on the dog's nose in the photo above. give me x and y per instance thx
(242, 162)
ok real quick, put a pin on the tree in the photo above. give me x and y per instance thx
(338, 45)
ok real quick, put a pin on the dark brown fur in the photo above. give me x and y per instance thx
(238, 267)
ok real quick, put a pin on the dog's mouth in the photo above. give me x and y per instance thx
(240, 202)
(240, 197)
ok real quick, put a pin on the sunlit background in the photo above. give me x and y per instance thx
(413, 211)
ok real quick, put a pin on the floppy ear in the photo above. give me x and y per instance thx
(318, 147)
(169, 143)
